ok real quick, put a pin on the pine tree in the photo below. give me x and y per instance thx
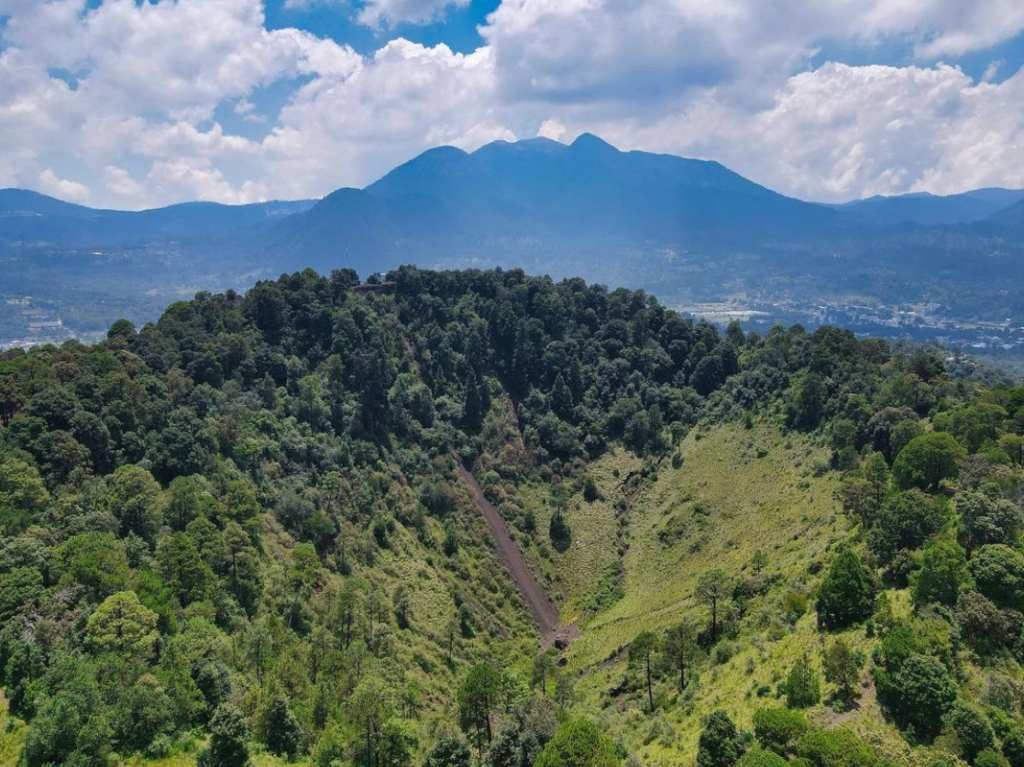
(561, 398)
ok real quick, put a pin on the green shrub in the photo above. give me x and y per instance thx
(990, 758)
(578, 743)
(927, 460)
(835, 748)
(719, 744)
(847, 594)
(1013, 747)
(972, 730)
(779, 729)
(794, 605)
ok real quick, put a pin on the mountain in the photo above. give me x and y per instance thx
(29, 216)
(930, 210)
(542, 204)
(1010, 218)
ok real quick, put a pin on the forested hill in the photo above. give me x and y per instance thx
(239, 531)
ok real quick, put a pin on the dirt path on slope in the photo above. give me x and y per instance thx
(544, 612)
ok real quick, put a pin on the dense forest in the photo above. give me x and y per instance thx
(237, 535)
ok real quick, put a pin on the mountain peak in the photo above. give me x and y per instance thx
(536, 145)
(590, 142)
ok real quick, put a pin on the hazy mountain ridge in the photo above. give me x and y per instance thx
(932, 210)
(29, 215)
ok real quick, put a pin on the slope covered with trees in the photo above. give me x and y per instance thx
(238, 533)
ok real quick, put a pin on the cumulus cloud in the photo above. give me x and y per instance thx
(652, 51)
(842, 131)
(388, 13)
(51, 183)
(407, 97)
(115, 81)
(102, 104)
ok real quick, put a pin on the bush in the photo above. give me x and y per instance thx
(835, 748)
(927, 460)
(919, 693)
(160, 747)
(449, 751)
(972, 730)
(229, 734)
(1013, 747)
(794, 605)
(943, 571)
(990, 758)
(331, 748)
(998, 570)
(778, 729)
(719, 744)
(281, 730)
(558, 530)
(847, 594)
(578, 743)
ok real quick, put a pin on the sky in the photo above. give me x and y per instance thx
(139, 103)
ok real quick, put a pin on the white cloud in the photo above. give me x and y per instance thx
(66, 189)
(552, 129)
(389, 13)
(649, 52)
(194, 180)
(840, 132)
(121, 184)
(406, 98)
(143, 81)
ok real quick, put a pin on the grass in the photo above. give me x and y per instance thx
(579, 575)
(12, 734)
(738, 491)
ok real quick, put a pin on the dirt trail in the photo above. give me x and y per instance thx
(544, 612)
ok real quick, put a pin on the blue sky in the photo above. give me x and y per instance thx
(457, 28)
(126, 103)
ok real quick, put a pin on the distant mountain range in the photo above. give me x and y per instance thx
(689, 230)
(27, 216)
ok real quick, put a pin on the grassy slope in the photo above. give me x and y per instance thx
(757, 490)
(738, 491)
(575, 575)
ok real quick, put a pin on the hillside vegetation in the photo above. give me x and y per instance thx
(238, 536)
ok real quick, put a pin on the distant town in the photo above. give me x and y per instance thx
(25, 322)
(925, 322)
